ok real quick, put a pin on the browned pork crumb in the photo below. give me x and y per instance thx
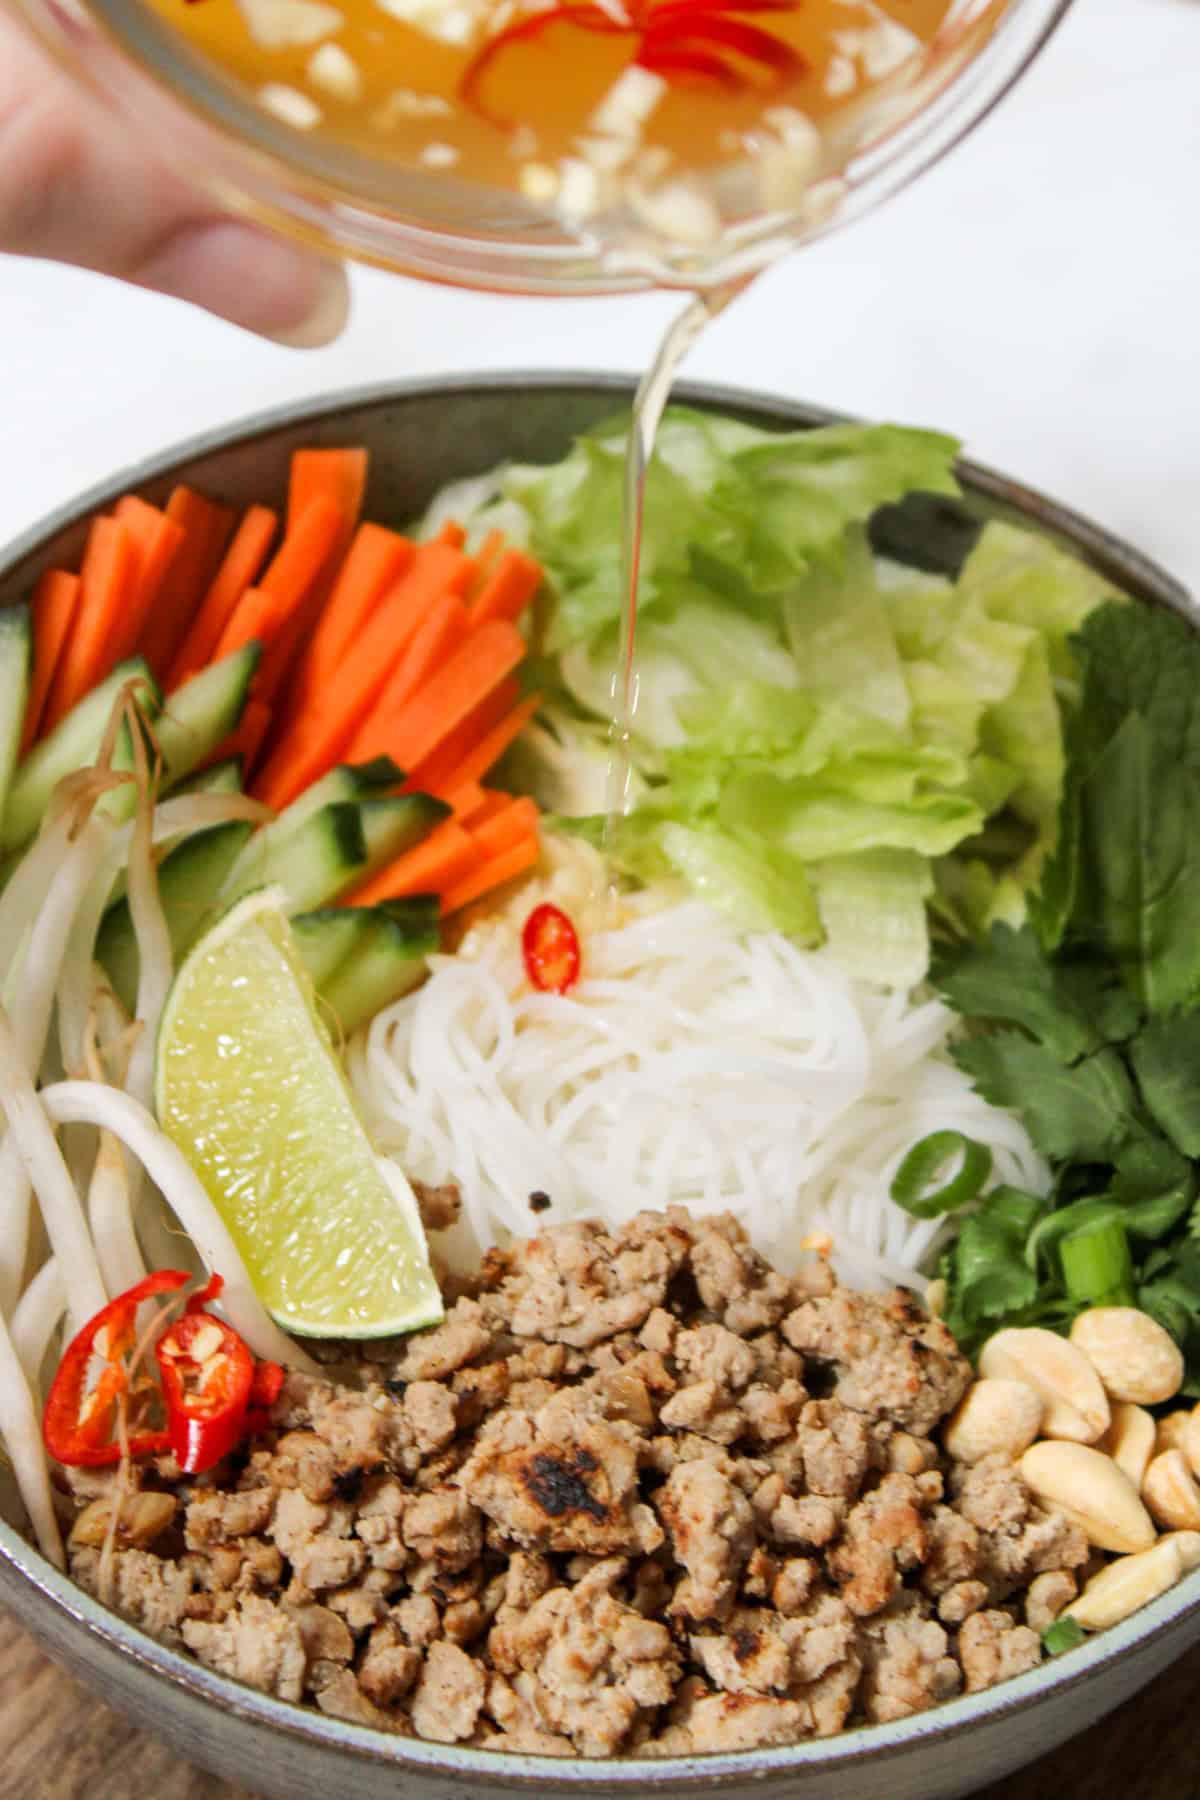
(637, 1494)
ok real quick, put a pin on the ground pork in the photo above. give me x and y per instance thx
(993, 1646)
(562, 1478)
(257, 1643)
(638, 1493)
(1017, 1538)
(908, 1665)
(890, 1358)
(592, 1665)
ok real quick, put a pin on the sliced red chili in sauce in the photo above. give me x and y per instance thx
(550, 945)
(691, 42)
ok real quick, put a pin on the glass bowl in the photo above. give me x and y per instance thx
(442, 229)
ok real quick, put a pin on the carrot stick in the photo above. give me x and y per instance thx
(476, 759)
(337, 475)
(375, 561)
(480, 663)
(55, 600)
(246, 741)
(256, 616)
(487, 555)
(206, 529)
(493, 874)
(339, 478)
(316, 734)
(462, 740)
(508, 590)
(452, 534)
(158, 541)
(305, 550)
(106, 581)
(469, 804)
(365, 661)
(435, 642)
(446, 856)
(238, 570)
(512, 824)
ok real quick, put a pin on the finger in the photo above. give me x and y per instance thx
(76, 187)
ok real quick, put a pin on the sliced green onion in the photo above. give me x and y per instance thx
(1065, 1634)
(1064, 1221)
(1096, 1265)
(944, 1171)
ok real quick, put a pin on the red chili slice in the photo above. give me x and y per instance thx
(80, 1422)
(207, 1376)
(264, 1392)
(681, 40)
(550, 945)
(212, 1391)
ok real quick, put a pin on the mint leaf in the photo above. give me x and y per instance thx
(1140, 863)
(1166, 1060)
(1081, 1113)
(1139, 660)
(1126, 876)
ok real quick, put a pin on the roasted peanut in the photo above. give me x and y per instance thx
(1127, 1584)
(1170, 1492)
(1188, 1545)
(1089, 1488)
(1130, 1440)
(1076, 1406)
(1191, 1441)
(1169, 1433)
(994, 1415)
(1181, 1431)
(142, 1518)
(1132, 1354)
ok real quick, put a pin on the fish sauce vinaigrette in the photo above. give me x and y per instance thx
(663, 130)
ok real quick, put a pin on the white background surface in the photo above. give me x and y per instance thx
(1039, 294)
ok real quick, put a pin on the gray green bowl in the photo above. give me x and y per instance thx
(422, 435)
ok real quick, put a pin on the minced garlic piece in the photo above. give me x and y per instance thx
(290, 105)
(290, 24)
(332, 69)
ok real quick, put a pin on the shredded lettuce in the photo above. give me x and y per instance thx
(824, 741)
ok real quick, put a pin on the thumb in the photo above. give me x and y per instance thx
(77, 187)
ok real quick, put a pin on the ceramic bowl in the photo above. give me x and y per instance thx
(421, 436)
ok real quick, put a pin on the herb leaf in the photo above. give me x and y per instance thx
(1141, 865)
(1009, 978)
(1081, 1113)
(1166, 1060)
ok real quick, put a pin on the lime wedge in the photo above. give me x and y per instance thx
(249, 1086)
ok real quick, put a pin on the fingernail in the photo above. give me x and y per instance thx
(254, 280)
(327, 313)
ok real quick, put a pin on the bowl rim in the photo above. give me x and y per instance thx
(1112, 556)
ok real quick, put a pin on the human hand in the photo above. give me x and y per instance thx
(76, 186)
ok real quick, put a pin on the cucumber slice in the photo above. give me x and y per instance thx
(219, 778)
(326, 855)
(326, 937)
(349, 781)
(189, 880)
(70, 746)
(394, 825)
(389, 962)
(16, 640)
(200, 715)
